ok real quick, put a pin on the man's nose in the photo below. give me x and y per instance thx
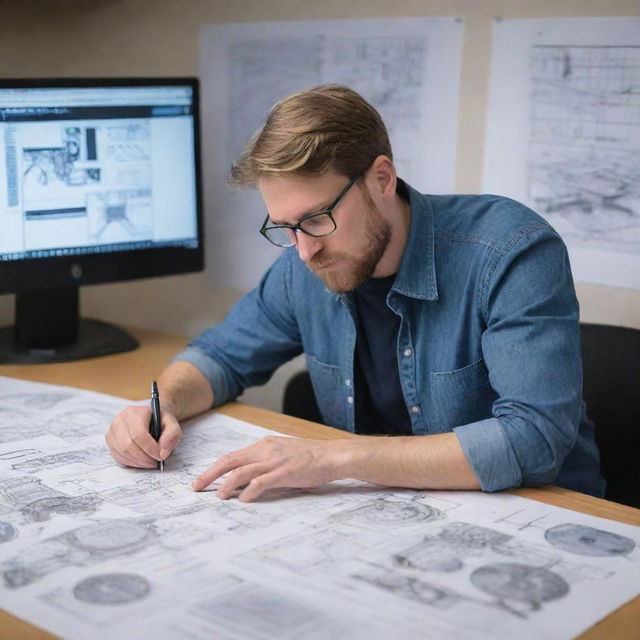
(307, 246)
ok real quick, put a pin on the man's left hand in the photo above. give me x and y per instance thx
(274, 461)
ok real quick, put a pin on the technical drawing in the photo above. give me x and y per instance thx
(112, 589)
(7, 531)
(389, 71)
(83, 538)
(588, 541)
(389, 513)
(584, 151)
(20, 424)
(268, 611)
(128, 210)
(42, 401)
(46, 166)
(96, 542)
(524, 584)
(44, 508)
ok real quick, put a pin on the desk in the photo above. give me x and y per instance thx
(127, 375)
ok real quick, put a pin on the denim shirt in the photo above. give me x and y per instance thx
(488, 346)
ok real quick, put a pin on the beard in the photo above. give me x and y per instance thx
(353, 270)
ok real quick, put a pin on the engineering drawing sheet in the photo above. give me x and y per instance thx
(564, 135)
(89, 549)
(407, 68)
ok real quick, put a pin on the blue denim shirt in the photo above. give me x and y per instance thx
(488, 346)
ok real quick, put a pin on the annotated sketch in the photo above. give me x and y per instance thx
(563, 135)
(91, 549)
(394, 64)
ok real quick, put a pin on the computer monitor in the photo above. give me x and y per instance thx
(99, 182)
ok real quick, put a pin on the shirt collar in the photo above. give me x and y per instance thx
(416, 276)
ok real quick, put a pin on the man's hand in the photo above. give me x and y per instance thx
(415, 462)
(273, 462)
(130, 442)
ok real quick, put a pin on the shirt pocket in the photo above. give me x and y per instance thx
(461, 396)
(328, 382)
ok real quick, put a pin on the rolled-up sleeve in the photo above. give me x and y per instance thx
(531, 347)
(258, 335)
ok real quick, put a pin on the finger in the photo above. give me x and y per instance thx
(138, 428)
(132, 453)
(122, 443)
(127, 461)
(171, 435)
(259, 485)
(226, 463)
(117, 440)
(238, 478)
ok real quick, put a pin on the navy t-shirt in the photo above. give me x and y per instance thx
(379, 403)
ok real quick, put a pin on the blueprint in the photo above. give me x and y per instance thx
(89, 549)
(564, 135)
(407, 68)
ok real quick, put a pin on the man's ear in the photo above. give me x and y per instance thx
(383, 175)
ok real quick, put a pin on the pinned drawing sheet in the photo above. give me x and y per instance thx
(89, 549)
(563, 135)
(408, 68)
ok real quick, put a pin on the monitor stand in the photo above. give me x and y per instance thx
(49, 329)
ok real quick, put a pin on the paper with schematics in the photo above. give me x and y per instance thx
(89, 549)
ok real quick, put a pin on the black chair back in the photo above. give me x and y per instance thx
(611, 365)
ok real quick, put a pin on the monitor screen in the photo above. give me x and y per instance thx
(99, 181)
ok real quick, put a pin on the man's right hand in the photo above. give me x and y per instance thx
(130, 442)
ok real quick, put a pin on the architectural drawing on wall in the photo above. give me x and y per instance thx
(394, 64)
(584, 148)
(563, 135)
(91, 549)
(389, 71)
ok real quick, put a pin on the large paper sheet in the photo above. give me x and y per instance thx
(89, 549)
(564, 135)
(408, 68)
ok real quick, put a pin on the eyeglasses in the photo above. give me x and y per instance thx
(315, 224)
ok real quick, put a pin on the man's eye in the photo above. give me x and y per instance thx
(316, 223)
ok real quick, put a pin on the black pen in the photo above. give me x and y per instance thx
(154, 426)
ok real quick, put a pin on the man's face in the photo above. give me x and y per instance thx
(348, 256)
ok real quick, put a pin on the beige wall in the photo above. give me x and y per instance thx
(40, 38)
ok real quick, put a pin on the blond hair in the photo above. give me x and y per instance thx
(328, 127)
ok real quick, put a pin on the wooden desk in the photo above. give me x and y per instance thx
(127, 375)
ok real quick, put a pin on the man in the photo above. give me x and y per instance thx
(449, 320)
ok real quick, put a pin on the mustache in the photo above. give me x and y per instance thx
(322, 260)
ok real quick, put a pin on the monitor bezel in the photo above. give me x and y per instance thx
(43, 273)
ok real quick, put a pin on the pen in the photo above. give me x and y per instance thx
(154, 426)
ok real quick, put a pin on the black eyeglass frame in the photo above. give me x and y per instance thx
(298, 226)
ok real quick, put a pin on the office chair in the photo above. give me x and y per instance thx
(611, 364)
(299, 400)
(611, 369)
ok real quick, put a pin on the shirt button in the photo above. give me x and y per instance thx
(415, 409)
(407, 352)
(350, 399)
(347, 382)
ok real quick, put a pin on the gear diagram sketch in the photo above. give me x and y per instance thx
(91, 549)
